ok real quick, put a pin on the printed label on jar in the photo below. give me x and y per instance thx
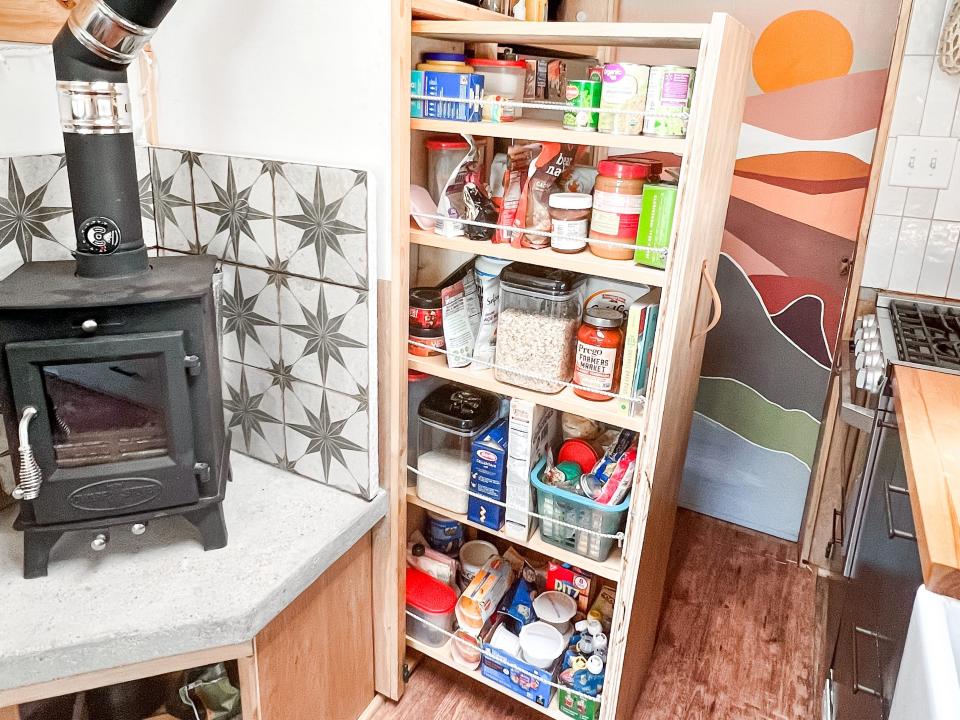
(595, 366)
(569, 234)
(616, 224)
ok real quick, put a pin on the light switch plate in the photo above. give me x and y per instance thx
(923, 162)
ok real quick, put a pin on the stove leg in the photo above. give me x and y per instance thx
(209, 521)
(37, 545)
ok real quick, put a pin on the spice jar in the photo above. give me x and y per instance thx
(570, 213)
(616, 206)
(599, 353)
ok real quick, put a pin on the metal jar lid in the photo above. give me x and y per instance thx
(603, 317)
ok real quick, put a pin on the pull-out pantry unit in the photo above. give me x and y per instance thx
(689, 307)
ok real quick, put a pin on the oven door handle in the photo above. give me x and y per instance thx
(854, 415)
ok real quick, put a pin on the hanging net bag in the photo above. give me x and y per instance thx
(948, 53)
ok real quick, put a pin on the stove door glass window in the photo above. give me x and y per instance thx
(107, 411)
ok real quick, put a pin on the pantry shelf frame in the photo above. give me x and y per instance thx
(709, 154)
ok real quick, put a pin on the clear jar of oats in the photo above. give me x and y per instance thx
(536, 333)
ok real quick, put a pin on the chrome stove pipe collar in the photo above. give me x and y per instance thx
(105, 33)
(94, 108)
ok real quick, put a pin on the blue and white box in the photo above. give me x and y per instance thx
(488, 477)
(460, 86)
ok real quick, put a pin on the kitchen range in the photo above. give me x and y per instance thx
(869, 606)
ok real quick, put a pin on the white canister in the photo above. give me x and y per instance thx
(557, 609)
(541, 644)
(473, 555)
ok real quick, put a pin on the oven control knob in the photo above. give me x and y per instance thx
(100, 541)
(138, 528)
(89, 326)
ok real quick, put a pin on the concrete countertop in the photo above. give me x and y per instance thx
(160, 594)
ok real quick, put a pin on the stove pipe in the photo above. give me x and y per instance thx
(91, 54)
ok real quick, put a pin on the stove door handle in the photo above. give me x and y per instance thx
(30, 476)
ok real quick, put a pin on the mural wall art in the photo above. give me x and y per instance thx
(819, 73)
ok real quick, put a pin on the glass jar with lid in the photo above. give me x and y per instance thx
(599, 354)
(539, 315)
(617, 200)
(444, 154)
(450, 418)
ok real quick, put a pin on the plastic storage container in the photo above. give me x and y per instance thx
(539, 316)
(430, 599)
(450, 418)
(568, 507)
(504, 78)
(444, 153)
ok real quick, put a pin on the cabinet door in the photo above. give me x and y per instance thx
(857, 692)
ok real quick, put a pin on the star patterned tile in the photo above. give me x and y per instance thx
(6, 465)
(324, 333)
(322, 222)
(327, 437)
(173, 200)
(145, 188)
(253, 412)
(250, 317)
(234, 209)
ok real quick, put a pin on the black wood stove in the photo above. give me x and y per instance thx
(109, 366)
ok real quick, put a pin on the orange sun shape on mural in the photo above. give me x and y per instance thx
(801, 47)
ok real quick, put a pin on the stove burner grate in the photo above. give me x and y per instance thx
(927, 334)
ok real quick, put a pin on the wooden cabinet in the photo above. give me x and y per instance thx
(689, 307)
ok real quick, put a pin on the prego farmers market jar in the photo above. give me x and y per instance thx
(451, 417)
(539, 315)
(617, 198)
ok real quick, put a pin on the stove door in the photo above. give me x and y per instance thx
(113, 432)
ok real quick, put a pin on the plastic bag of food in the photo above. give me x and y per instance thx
(478, 208)
(515, 177)
(488, 285)
(460, 303)
(553, 166)
(451, 197)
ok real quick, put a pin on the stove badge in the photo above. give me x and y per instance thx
(98, 236)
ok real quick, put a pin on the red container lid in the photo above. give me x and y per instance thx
(624, 169)
(579, 451)
(428, 594)
(447, 142)
(486, 62)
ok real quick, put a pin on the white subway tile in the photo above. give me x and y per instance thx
(890, 198)
(948, 201)
(941, 105)
(908, 259)
(938, 258)
(926, 19)
(911, 95)
(920, 202)
(881, 246)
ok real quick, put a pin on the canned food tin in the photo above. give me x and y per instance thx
(668, 101)
(624, 88)
(582, 95)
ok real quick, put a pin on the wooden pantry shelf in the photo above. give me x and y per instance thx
(454, 10)
(442, 655)
(584, 262)
(609, 569)
(553, 131)
(565, 400)
(682, 36)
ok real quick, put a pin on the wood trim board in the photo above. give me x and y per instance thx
(31, 21)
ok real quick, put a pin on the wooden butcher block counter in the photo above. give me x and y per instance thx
(928, 414)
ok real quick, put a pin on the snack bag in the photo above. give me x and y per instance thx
(553, 165)
(515, 177)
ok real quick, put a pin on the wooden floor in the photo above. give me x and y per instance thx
(737, 641)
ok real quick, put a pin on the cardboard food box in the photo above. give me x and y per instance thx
(519, 677)
(488, 477)
(532, 429)
(656, 225)
(578, 706)
(577, 583)
(459, 86)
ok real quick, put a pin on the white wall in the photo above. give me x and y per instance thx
(30, 121)
(914, 232)
(265, 79)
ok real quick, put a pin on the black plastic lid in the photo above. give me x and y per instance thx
(425, 297)
(460, 409)
(422, 332)
(544, 280)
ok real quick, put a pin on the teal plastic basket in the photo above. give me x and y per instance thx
(573, 509)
